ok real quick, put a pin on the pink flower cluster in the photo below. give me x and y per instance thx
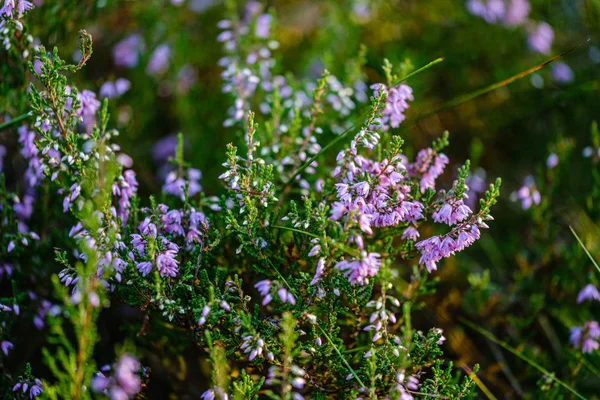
(124, 383)
(428, 166)
(265, 287)
(396, 104)
(191, 225)
(586, 337)
(452, 212)
(437, 247)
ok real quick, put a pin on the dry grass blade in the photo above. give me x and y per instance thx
(469, 96)
(523, 357)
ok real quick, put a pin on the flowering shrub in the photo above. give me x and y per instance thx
(300, 274)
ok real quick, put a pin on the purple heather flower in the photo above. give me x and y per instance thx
(286, 296)
(411, 233)
(37, 66)
(252, 345)
(36, 389)
(492, 11)
(114, 89)
(589, 292)
(263, 24)
(175, 184)
(315, 250)
(108, 90)
(476, 184)
(126, 374)
(204, 316)
(540, 38)
(586, 337)
(24, 5)
(216, 393)
(11, 5)
(319, 271)
(165, 148)
(71, 196)
(34, 173)
(528, 194)
(5, 269)
(159, 60)
(562, 73)
(552, 161)
(451, 213)
(359, 271)
(126, 53)
(517, 12)
(89, 106)
(396, 104)
(122, 85)
(171, 221)
(264, 287)
(429, 165)
(442, 337)
(124, 384)
(166, 261)
(24, 208)
(2, 155)
(144, 267)
(125, 188)
(435, 248)
(100, 382)
(402, 384)
(6, 346)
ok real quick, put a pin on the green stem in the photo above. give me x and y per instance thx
(354, 126)
(341, 356)
(331, 242)
(319, 326)
(423, 68)
(14, 121)
(296, 230)
(584, 248)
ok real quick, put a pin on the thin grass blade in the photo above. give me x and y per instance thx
(528, 360)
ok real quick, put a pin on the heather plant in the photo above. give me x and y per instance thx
(305, 263)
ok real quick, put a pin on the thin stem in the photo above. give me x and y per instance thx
(584, 248)
(341, 356)
(56, 114)
(423, 68)
(332, 242)
(435, 396)
(470, 96)
(528, 360)
(318, 325)
(354, 126)
(83, 351)
(14, 121)
(296, 230)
